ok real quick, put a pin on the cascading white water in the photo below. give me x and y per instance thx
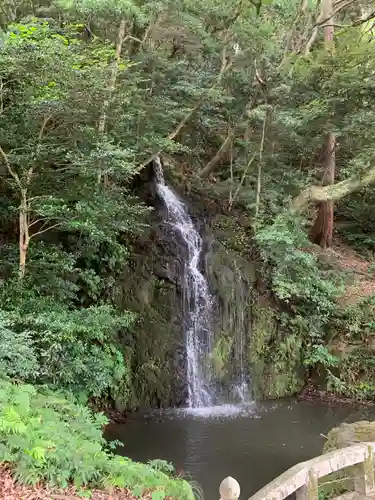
(199, 304)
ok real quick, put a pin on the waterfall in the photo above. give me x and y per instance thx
(198, 331)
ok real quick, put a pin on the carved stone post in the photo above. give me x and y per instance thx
(364, 481)
(310, 490)
(229, 489)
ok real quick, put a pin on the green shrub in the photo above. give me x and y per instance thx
(296, 274)
(47, 437)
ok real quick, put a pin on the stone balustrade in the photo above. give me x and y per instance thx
(302, 479)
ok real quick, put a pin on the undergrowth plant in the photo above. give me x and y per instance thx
(46, 436)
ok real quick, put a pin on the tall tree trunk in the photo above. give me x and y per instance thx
(23, 215)
(322, 230)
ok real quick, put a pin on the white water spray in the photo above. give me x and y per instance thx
(199, 304)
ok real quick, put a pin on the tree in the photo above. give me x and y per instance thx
(322, 230)
(46, 78)
(52, 88)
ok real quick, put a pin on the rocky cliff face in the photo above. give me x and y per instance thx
(151, 286)
(247, 326)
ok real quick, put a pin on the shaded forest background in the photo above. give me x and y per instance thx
(262, 108)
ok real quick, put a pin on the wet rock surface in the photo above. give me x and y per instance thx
(245, 318)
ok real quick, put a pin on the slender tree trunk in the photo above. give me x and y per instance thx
(24, 236)
(322, 230)
(111, 88)
(259, 176)
(23, 215)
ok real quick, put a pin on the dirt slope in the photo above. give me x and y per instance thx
(360, 275)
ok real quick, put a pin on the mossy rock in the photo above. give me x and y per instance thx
(349, 434)
(232, 234)
(271, 352)
(153, 346)
(341, 437)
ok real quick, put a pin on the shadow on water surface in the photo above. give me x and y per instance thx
(253, 443)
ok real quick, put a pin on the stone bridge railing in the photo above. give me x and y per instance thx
(302, 479)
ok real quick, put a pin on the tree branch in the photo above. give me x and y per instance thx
(322, 21)
(231, 20)
(46, 229)
(9, 168)
(36, 221)
(112, 84)
(364, 20)
(147, 32)
(333, 192)
(44, 124)
(225, 66)
(241, 182)
(257, 4)
(291, 32)
(215, 160)
(259, 176)
(311, 40)
(257, 75)
(336, 11)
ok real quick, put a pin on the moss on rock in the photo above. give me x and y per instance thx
(246, 315)
(248, 333)
(154, 347)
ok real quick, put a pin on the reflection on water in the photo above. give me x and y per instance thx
(252, 443)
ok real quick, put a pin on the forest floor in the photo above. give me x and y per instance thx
(360, 273)
(10, 490)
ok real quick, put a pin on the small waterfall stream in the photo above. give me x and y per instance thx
(199, 309)
(198, 334)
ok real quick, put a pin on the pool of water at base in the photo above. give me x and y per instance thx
(253, 443)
